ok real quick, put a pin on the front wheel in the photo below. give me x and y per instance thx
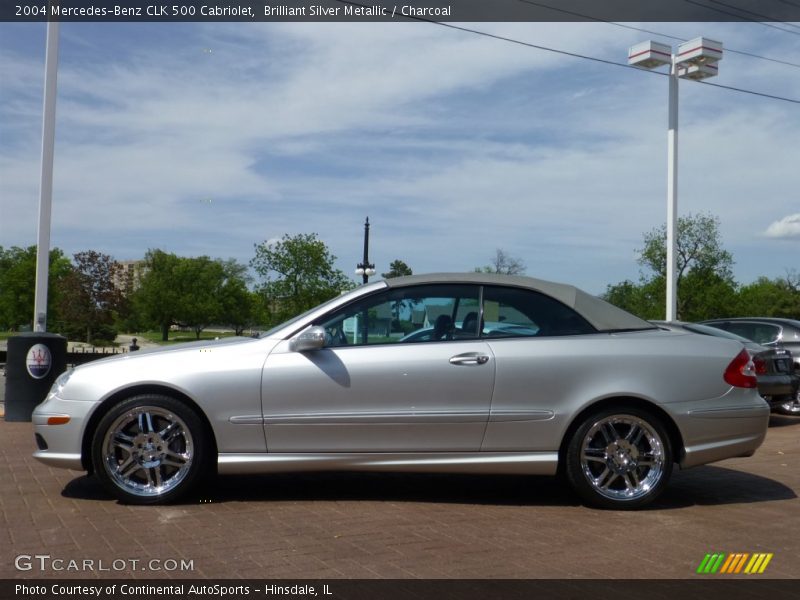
(149, 449)
(619, 459)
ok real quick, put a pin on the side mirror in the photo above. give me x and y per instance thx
(312, 338)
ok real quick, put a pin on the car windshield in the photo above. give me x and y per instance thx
(299, 317)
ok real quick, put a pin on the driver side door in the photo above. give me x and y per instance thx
(399, 373)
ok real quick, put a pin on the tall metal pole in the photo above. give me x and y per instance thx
(366, 249)
(46, 187)
(672, 195)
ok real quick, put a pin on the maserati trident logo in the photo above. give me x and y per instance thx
(39, 361)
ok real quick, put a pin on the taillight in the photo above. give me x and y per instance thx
(741, 372)
(760, 365)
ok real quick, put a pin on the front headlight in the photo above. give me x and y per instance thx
(59, 383)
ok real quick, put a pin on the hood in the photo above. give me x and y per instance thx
(148, 352)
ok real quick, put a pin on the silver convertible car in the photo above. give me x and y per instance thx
(584, 389)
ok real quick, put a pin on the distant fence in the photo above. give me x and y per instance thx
(78, 356)
(84, 355)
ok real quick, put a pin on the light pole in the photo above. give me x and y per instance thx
(696, 59)
(46, 185)
(364, 268)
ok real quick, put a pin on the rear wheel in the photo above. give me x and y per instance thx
(149, 449)
(619, 458)
(791, 407)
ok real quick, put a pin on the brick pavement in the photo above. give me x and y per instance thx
(403, 526)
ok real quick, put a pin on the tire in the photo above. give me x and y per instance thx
(619, 458)
(150, 449)
(790, 407)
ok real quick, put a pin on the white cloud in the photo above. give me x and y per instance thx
(787, 227)
(453, 144)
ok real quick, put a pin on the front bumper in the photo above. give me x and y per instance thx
(60, 445)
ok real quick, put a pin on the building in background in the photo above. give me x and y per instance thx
(129, 276)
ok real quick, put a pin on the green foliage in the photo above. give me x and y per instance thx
(297, 273)
(699, 248)
(706, 287)
(18, 284)
(771, 297)
(704, 267)
(193, 292)
(158, 298)
(239, 308)
(200, 281)
(397, 268)
(89, 300)
(644, 300)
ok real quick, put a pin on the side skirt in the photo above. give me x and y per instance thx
(531, 463)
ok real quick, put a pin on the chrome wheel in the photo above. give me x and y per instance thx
(619, 458)
(149, 449)
(622, 457)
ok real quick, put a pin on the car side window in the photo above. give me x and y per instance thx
(514, 312)
(425, 313)
(761, 333)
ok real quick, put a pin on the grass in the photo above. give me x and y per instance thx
(180, 337)
(175, 337)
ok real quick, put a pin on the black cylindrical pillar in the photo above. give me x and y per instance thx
(33, 362)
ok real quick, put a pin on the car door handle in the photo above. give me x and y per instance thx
(469, 358)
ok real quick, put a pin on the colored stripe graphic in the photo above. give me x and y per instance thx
(734, 563)
(711, 563)
(758, 563)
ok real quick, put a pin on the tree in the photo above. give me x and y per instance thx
(193, 292)
(297, 273)
(765, 297)
(200, 281)
(18, 285)
(705, 283)
(397, 268)
(239, 307)
(699, 248)
(90, 297)
(503, 263)
(158, 299)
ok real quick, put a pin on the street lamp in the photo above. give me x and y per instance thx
(365, 268)
(696, 59)
(46, 181)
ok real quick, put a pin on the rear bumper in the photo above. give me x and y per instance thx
(780, 397)
(727, 431)
(773, 386)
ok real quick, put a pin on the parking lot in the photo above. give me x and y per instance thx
(397, 526)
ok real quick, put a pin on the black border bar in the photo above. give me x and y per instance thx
(399, 10)
(700, 588)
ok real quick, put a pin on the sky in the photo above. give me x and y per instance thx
(209, 138)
